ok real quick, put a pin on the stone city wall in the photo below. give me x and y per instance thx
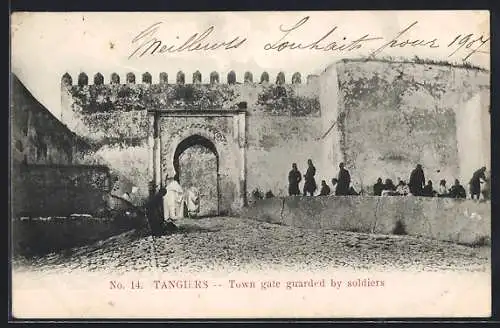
(381, 118)
(459, 221)
(283, 119)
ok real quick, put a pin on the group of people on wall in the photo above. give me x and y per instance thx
(341, 184)
(416, 186)
(173, 202)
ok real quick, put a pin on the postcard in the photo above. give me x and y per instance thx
(203, 165)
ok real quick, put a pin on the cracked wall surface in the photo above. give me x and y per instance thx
(393, 115)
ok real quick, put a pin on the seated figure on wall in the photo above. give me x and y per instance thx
(269, 194)
(442, 190)
(428, 190)
(325, 190)
(457, 190)
(402, 188)
(334, 184)
(352, 192)
(257, 194)
(389, 188)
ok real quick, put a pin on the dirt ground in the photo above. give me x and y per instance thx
(235, 244)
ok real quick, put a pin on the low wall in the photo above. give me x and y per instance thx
(459, 221)
(32, 237)
(59, 190)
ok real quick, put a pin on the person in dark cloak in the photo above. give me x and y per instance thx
(428, 190)
(417, 181)
(475, 182)
(154, 214)
(343, 181)
(294, 178)
(325, 189)
(269, 194)
(309, 181)
(457, 190)
(378, 187)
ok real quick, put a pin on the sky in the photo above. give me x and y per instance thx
(46, 45)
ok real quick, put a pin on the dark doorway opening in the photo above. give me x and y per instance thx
(196, 161)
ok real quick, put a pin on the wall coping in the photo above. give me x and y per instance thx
(191, 113)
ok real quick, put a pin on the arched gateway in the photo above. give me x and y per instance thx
(221, 132)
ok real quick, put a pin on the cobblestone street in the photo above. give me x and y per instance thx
(237, 244)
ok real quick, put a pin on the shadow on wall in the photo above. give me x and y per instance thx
(460, 221)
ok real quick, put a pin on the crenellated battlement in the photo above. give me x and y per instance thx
(272, 96)
(180, 79)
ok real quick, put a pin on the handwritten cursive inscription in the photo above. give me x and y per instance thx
(467, 42)
(321, 44)
(151, 45)
(147, 43)
(400, 42)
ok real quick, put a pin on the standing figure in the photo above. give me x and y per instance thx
(193, 202)
(294, 178)
(475, 182)
(325, 190)
(154, 212)
(486, 190)
(173, 200)
(378, 187)
(417, 181)
(343, 181)
(310, 183)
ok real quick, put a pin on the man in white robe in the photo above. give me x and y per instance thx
(174, 199)
(193, 201)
